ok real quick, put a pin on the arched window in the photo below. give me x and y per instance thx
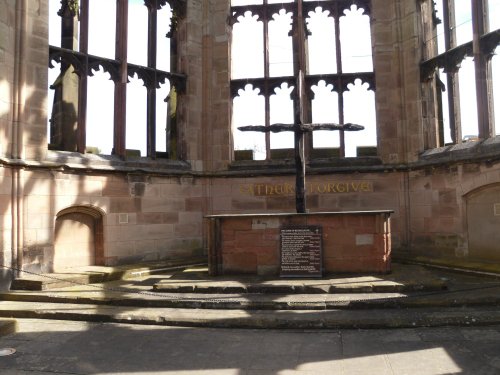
(107, 56)
(333, 52)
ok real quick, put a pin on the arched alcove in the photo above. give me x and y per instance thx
(78, 239)
(483, 223)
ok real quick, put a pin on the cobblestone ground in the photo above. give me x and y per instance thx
(58, 347)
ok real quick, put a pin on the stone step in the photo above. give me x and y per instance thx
(217, 318)
(97, 274)
(327, 286)
(469, 296)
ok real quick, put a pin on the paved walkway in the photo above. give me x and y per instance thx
(56, 347)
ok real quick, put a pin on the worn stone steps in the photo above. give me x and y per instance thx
(295, 287)
(97, 274)
(410, 296)
(217, 318)
(467, 296)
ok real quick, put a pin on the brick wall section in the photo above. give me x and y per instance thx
(352, 242)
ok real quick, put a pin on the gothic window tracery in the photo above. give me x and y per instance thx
(266, 57)
(460, 40)
(123, 42)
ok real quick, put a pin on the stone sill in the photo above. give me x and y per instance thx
(287, 166)
(101, 163)
(294, 214)
(488, 149)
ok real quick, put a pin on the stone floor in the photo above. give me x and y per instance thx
(61, 347)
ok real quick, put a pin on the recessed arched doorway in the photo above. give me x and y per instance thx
(483, 224)
(78, 238)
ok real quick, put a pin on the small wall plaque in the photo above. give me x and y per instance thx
(496, 209)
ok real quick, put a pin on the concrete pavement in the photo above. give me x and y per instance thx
(56, 347)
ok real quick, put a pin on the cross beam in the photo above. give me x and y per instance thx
(300, 164)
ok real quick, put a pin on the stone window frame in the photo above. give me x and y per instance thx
(120, 70)
(481, 48)
(268, 84)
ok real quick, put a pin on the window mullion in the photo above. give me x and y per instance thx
(83, 84)
(485, 122)
(151, 91)
(121, 83)
(451, 77)
(340, 86)
(267, 109)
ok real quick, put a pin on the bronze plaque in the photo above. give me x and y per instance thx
(301, 251)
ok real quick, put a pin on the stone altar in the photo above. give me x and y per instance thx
(352, 241)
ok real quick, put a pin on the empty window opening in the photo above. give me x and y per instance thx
(461, 39)
(268, 53)
(94, 47)
(99, 134)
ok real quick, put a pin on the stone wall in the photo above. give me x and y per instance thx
(441, 221)
(23, 81)
(145, 218)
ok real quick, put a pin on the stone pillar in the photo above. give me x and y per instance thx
(396, 55)
(216, 90)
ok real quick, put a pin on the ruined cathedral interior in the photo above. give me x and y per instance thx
(119, 124)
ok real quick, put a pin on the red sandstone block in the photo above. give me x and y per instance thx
(239, 263)
(245, 239)
(295, 220)
(359, 251)
(353, 221)
(368, 220)
(344, 237)
(228, 234)
(329, 232)
(228, 246)
(237, 224)
(194, 204)
(272, 234)
(327, 222)
(244, 249)
(268, 244)
(355, 265)
(268, 258)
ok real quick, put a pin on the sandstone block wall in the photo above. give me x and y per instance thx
(144, 218)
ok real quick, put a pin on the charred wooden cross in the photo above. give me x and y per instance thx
(299, 130)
